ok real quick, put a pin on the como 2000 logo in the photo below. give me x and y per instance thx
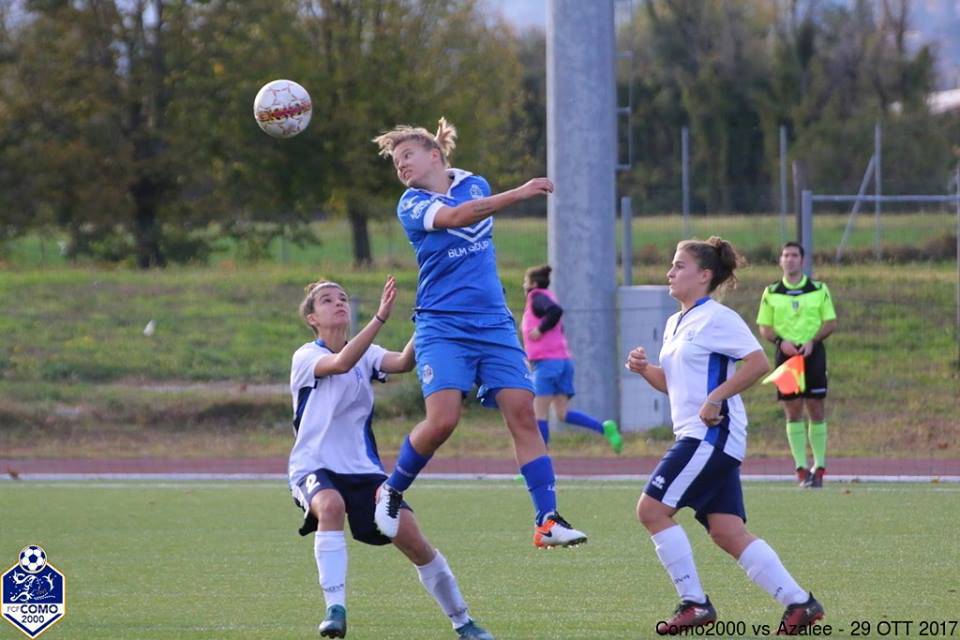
(34, 592)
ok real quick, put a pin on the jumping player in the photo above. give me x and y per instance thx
(465, 333)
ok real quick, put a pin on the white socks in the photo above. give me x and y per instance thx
(440, 583)
(676, 555)
(763, 566)
(330, 549)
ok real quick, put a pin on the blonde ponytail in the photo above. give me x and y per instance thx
(445, 141)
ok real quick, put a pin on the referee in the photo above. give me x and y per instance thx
(797, 315)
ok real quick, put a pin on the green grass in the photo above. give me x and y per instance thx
(223, 560)
(522, 242)
(74, 360)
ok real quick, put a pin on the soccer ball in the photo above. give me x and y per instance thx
(33, 559)
(282, 108)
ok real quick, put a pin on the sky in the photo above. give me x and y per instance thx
(522, 13)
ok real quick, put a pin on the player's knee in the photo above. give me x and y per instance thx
(520, 417)
(441, 425)
(648, 516)
(721, 537)
(328, 507)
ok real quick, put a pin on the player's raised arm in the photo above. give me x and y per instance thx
(468, 213)
(347, 357)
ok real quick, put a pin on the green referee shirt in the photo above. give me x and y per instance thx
(797, 311)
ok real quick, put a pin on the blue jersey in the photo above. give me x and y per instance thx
(458, 267)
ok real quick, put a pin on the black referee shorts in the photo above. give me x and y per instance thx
(815, 373)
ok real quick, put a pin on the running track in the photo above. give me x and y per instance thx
(922, 469)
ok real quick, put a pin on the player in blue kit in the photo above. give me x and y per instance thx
(701, 345)
(465, 333)
(334, 467)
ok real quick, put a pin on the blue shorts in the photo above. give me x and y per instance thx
(359, 492)
(553, 377)
(696, 474)
(458, 351)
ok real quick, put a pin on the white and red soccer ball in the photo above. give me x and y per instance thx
(282, 108)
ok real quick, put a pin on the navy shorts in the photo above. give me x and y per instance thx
(699, 475)
(553, 377)
(814, 373)
(359, 493)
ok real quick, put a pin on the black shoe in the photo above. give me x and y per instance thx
(798, 617)
(686, 617)
(817, 481)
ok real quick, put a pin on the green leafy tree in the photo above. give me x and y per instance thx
(410, 61)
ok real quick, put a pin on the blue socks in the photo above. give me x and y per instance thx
(538, 474)
(544, 426)
(583, 420)
(409, 464)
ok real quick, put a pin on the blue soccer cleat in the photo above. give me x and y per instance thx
(472, 631)
(335, 624)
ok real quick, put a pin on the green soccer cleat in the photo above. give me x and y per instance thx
(612, 433)
(335, 624)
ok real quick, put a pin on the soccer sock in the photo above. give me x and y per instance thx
(544, 426)
(676, 556)
(538, 474)
(797, 437)
(439, 581)
(409, 464)
(763, 566)
(583, 420)
(818, 443)
(330, 550)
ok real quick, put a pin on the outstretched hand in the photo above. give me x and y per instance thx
(536, 187)
(388, 297)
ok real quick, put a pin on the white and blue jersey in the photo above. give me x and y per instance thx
(702, 469)
(458, 267)
(333, 414)
(700, 351)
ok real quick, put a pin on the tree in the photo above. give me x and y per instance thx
(409, 61)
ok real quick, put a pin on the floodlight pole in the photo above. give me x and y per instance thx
(581, 213)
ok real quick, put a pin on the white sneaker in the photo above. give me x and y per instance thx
(387, 512)
(557, 532)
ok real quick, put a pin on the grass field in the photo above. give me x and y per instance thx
(223, 560)
(522, 242)
(74, 361)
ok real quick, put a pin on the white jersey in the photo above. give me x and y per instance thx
(700, 350)
(333, 414)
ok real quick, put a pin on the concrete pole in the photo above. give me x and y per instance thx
(581, 214)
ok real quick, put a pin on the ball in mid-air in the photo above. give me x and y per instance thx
(282, 108)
